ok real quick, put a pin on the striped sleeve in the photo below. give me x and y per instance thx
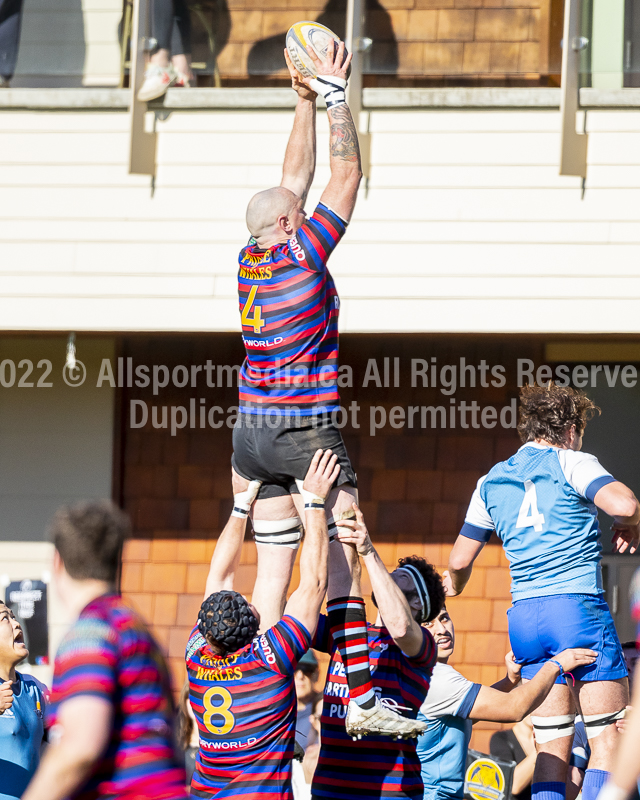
(86, 662)
(426, 657)
(317, 239)
(282, 646)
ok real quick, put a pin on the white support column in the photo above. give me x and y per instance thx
(358, 45)
(573, 148)
(142, 145)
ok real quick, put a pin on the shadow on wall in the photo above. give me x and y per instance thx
(265, 57)
(52, 48)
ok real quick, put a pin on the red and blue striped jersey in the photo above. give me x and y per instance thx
(245, 706)
(373, 767)
(289, 310)
(108, 653)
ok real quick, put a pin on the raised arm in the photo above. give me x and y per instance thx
(300, 156)
(344, 152)
(226, 556)
(392, 604)
(304, 604)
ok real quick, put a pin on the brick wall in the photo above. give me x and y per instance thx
(487, 40)
(414, 488)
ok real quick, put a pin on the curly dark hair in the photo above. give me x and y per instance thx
(432, 579)
(89, 538)
(548, 412)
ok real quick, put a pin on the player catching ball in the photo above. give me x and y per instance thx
(543, 503)
(288, 383)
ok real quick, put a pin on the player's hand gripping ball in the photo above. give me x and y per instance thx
(304, 37)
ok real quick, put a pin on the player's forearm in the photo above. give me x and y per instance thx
(315, 553)
(61, 772)
(226, 556)
(460, 577)
(344, 148)
(528, 696)
(300, 155)
(392, 604)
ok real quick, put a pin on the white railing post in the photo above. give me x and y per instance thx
(142, 145)
(573, 148)
(358, 45)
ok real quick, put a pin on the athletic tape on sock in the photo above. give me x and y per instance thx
(594, 724)
(549, 728)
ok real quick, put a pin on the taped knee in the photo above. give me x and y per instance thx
(594, 724)
(333, 523)
(549, 728)
(283, 532)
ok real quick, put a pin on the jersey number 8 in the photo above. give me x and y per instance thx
(222, 710)
(529, 516)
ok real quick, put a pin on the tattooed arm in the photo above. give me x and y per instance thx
(342, 190)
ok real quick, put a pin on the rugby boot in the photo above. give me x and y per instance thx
(382, 720)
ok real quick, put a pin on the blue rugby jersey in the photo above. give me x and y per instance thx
(289, 311)
(540, 503)
(21, 733)
(373, 767)
(245, 706)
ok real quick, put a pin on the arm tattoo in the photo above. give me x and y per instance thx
(344, 139)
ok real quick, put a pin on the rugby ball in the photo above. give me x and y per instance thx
(305, 36)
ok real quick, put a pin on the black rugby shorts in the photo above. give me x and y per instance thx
(280, 452)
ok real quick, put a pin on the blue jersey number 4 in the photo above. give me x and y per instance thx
(529, 516)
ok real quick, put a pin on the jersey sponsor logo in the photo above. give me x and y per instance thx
(333, 689)
(250, 259)
(263, 342)
(212, 674)
(339, 711)
(255, 273)
(218, 745)
(296, 249)
(268, 652)
(484, 780)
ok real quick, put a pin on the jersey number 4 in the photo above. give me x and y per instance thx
(256, 321)
(218, 711)
(529, 516)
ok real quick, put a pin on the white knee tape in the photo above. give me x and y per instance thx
(549, 728)
(594, 724)
(284, 532)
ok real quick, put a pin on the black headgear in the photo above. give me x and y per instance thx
(227, 618)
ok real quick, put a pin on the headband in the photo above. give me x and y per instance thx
(421, 588)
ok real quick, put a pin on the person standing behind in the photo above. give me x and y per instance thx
(111, 710)
(542, 503)
(455, 703)
(22, 704)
